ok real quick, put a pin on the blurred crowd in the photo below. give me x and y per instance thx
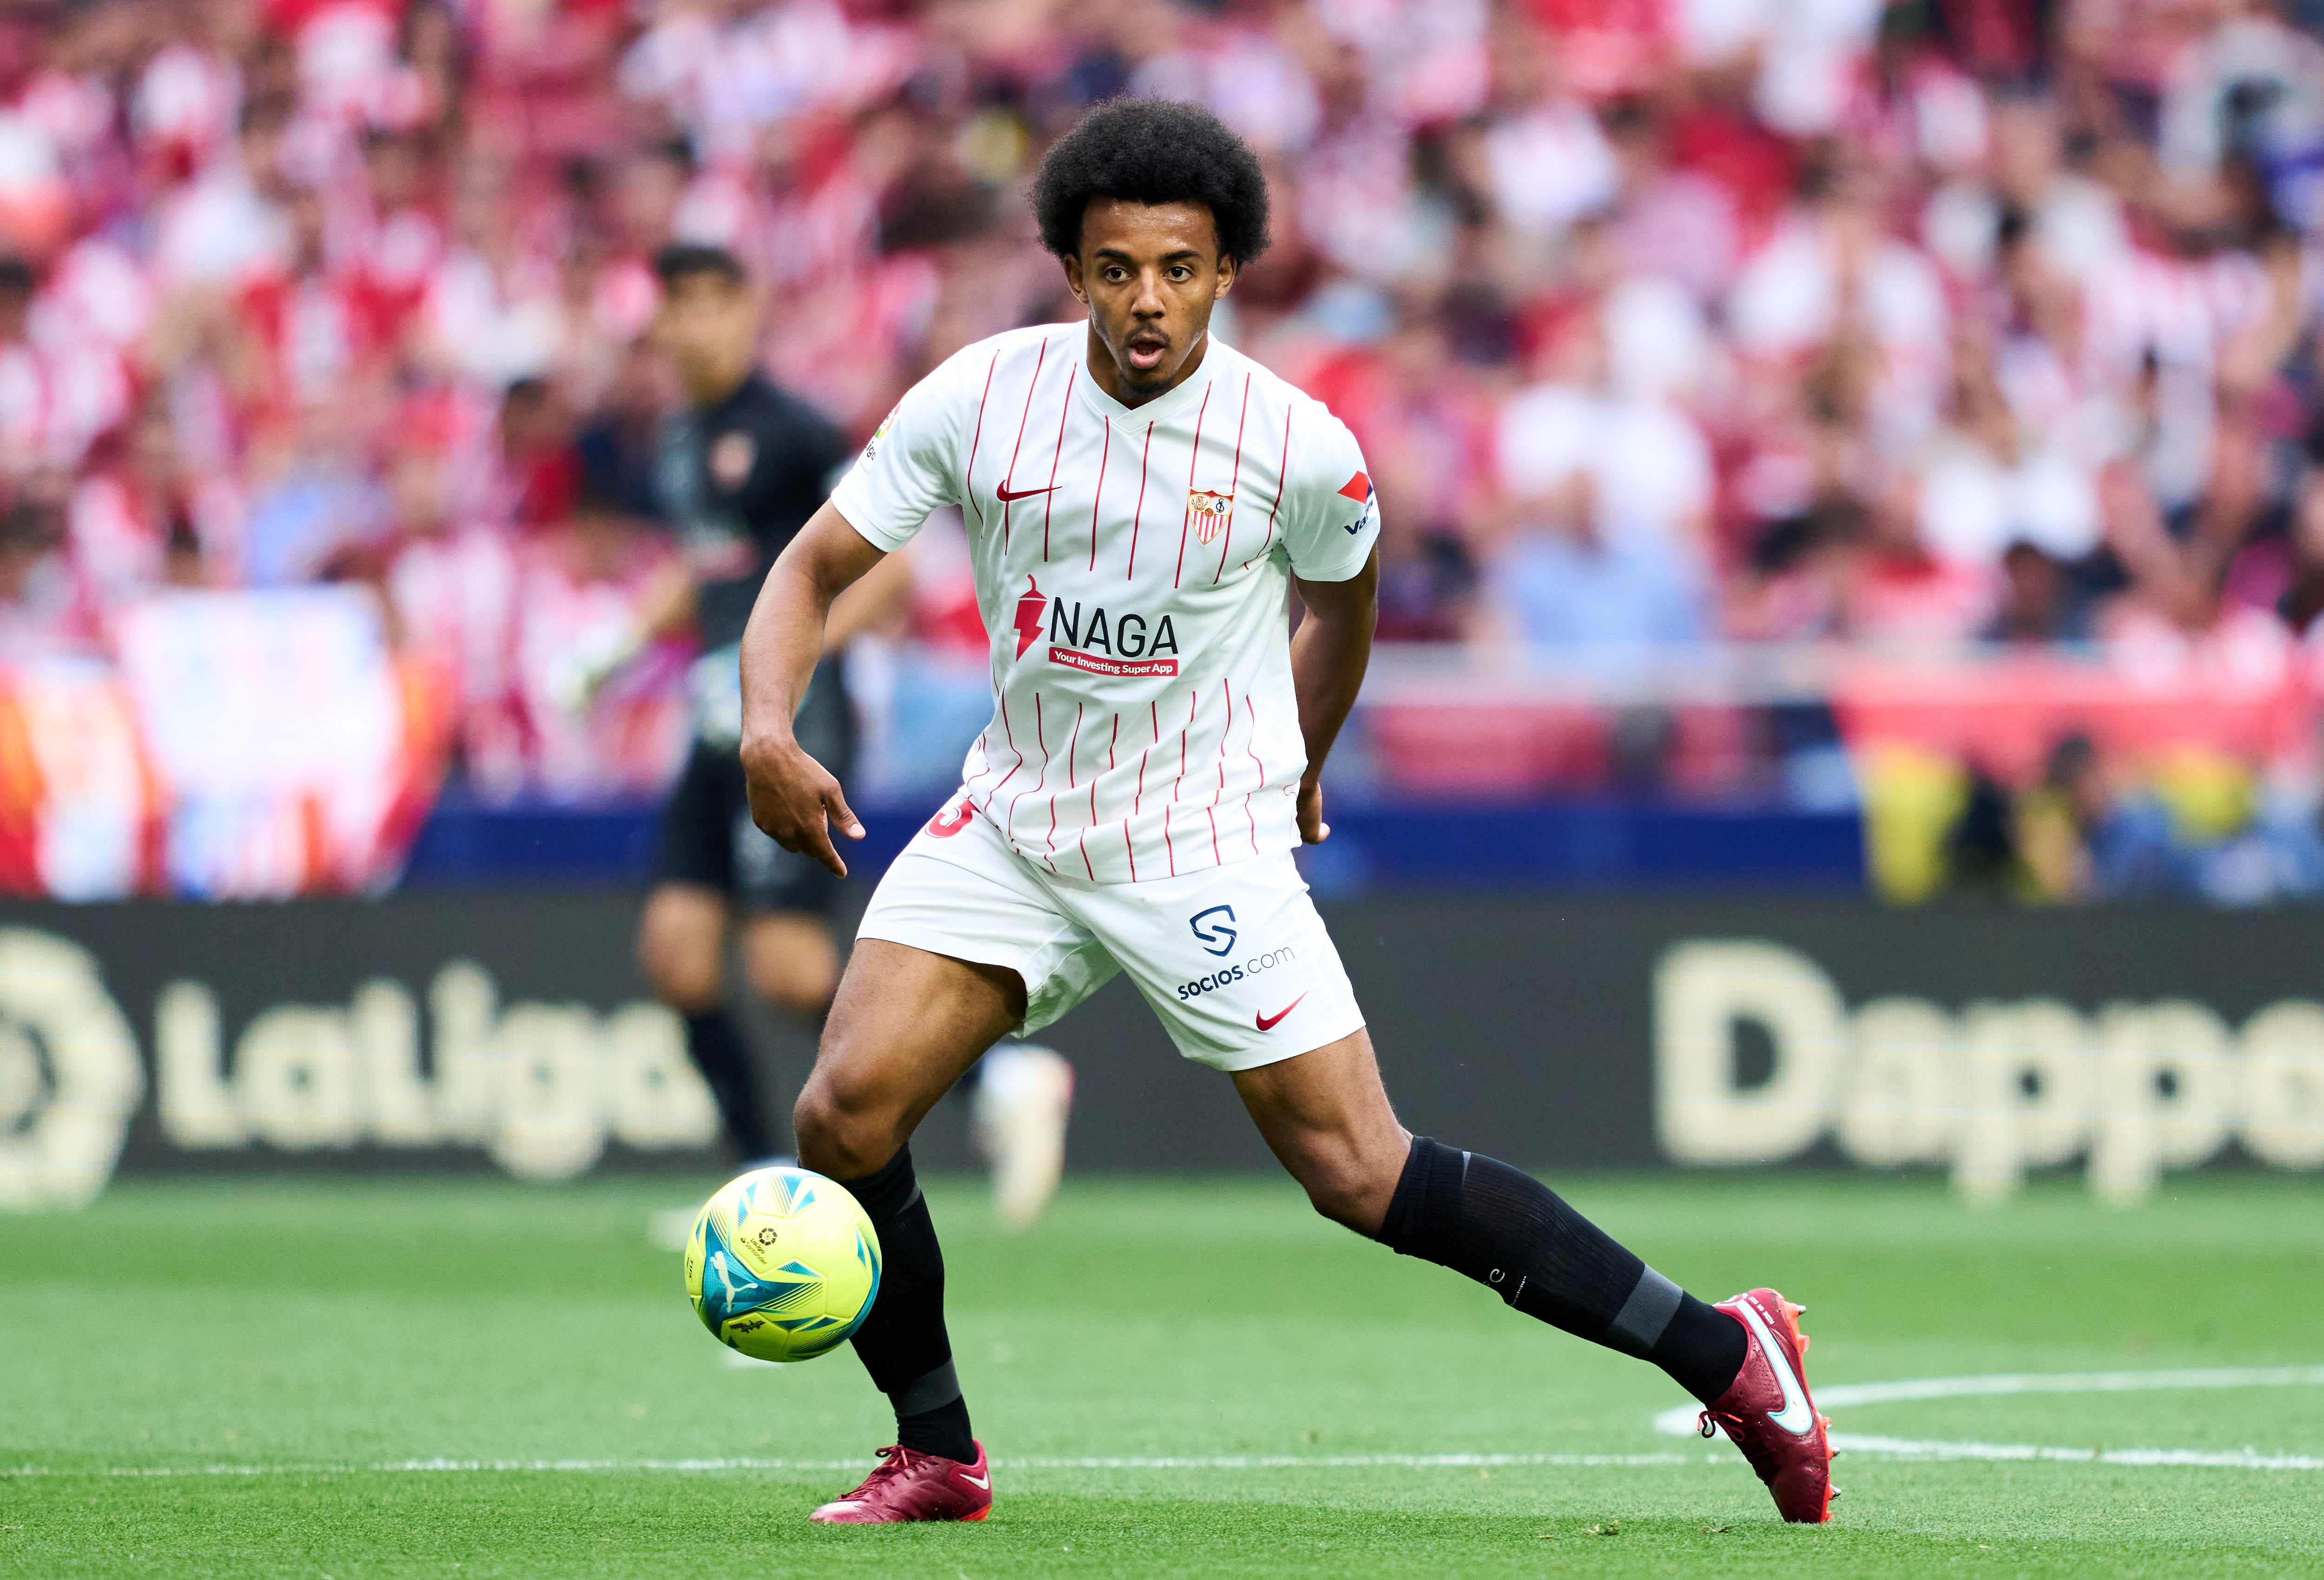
(1661, 321)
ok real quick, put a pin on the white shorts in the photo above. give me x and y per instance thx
(1234, 959)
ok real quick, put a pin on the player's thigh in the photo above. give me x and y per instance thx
(682, 945)
(908, 1023)
(1325, 1115)
(960, 945)
(790, 959)
(959, 890)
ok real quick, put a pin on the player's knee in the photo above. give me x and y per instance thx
(1343, 1183)
(1342, 1189)
(841, 1133)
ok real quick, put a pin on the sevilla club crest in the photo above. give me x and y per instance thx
(1210, 513)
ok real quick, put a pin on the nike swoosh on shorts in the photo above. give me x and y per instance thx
(1268, 1023)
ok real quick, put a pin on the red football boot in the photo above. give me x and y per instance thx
(1767, 1413)
(910, 1485)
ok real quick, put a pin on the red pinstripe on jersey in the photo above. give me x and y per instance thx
(1250, 745)
(1008, 477)
(1211, 810)
(968, 478)
(1193, 459)
(1193, 704)
(1108, 766)
(1152, 711)
(1065, 405)
(1282, 471)
(1010, 736)
(1071, 752)
(1009, 825)
(1081, 840)
(1098, 496)
(1234, 481)
(1139, 515)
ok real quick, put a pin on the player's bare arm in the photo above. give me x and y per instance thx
(794, 798)
(1330, 652)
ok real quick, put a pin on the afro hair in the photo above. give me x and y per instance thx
(1153, 151)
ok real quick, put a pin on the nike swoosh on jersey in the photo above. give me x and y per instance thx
(1797, 1417)
(982, 1484)
(1005, 493)
(1268, 1023)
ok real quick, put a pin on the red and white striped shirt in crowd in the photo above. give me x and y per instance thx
(1133, 567)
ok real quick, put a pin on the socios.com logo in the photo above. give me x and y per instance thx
(1217, 936)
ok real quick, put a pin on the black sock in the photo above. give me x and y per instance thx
(903, 1343)
(1512, 1233)
(714, 1043)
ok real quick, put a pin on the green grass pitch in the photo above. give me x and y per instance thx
(473, 1378)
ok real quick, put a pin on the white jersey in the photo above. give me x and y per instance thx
(1135, 582)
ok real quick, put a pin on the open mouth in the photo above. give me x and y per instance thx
(1146, 352)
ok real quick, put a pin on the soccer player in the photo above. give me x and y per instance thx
(1141, 500)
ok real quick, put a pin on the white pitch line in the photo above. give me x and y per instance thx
(1681, 1421)
(1847, 1394)
(1034, 1462)
(2210, 1459)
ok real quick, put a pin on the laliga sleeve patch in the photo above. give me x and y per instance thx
(872, 446)
(1357, 488)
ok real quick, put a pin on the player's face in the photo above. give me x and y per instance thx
(708, 327)
(1150, 274)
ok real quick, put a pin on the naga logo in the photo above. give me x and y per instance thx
(1102, 644)
(1095, 643)
(1221, 933)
